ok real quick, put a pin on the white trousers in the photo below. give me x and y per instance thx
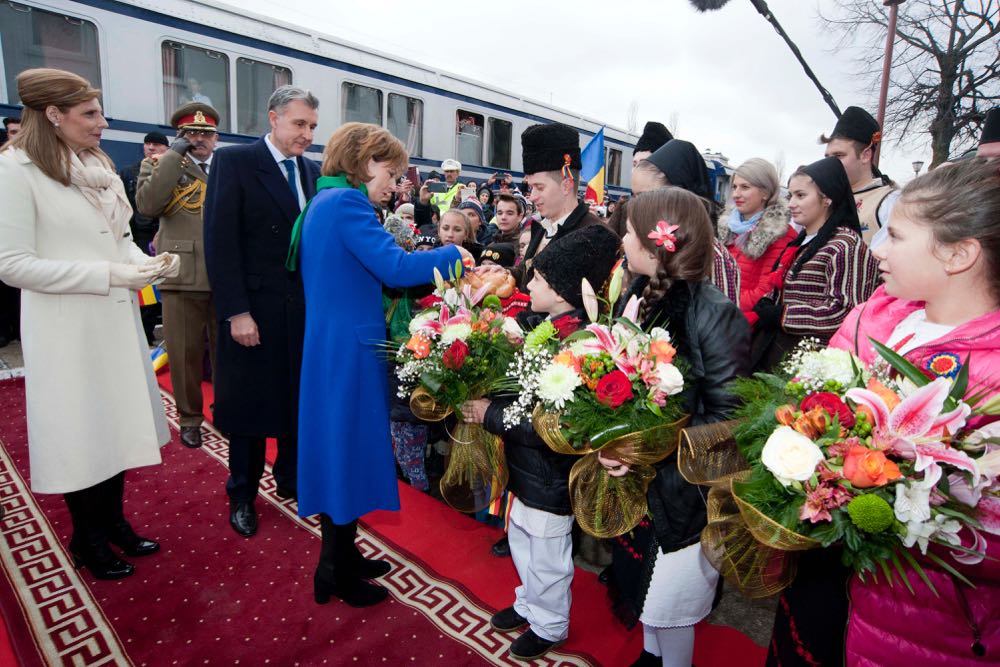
(545, 566)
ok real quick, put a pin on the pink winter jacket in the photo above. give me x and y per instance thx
(887, 625)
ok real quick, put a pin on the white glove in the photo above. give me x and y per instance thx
(169, 265)
(132, 276)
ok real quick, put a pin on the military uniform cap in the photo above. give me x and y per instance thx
(195, 116)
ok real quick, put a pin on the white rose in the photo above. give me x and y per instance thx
(512, 329)
(671, 380)
(421, 319)
(790, 456)
(453, 332)
(658, 333)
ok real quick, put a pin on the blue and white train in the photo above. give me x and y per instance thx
(149, 56)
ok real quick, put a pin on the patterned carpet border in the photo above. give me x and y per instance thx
(446, 605)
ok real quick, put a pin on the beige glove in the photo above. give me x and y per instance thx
(132, 276)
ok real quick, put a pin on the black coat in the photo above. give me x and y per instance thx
(713, 337)
(580, 217)
(539, 477)
(249, 213)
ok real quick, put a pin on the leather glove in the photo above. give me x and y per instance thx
(132, 276)
(768, 314)
(181, 145)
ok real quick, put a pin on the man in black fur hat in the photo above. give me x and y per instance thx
(989, 140)
(854, 141)
(653, 136)
(551, 155)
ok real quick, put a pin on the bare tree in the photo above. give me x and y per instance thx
(779, 165)
(632, 121)
(674, 122)
(945, 71)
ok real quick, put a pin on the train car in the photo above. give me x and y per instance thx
(150, 56)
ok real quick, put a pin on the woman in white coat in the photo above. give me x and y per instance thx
(93, 408)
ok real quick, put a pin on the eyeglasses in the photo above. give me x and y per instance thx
(199, 133)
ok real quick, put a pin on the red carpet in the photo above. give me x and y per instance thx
(213, 598)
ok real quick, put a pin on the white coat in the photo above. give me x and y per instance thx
(93, 406)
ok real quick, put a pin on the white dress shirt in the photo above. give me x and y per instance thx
(279, 158)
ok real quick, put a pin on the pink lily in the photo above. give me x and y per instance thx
(604, 341)
(978, 545)
(988, 513)
(915, 428)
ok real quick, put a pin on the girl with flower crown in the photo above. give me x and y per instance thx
(659, 575)
(940, 308)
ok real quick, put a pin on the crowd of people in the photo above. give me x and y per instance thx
(250, 245)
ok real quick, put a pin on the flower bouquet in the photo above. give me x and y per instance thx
(876, 460)
(457, 351)
(610, 387)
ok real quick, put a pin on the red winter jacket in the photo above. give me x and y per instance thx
(760, 250)
(888, 625)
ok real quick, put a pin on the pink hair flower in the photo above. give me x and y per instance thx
(663, 235)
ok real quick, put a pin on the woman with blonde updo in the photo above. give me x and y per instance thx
(93, 407)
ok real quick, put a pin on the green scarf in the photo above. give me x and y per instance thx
(322, 183)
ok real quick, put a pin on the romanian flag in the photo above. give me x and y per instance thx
(149, 295)
(592, 172)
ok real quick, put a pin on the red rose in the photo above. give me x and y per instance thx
(566, 325)
(614, 389)
(454, 357)
(832, 404)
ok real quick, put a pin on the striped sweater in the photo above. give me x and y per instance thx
(826, 288)
(725, 272)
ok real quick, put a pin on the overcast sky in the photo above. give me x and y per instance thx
(726, 76)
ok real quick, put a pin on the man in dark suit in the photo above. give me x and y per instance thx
(255, 193)
(551, 156)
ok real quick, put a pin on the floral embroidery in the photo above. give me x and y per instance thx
(944, 364)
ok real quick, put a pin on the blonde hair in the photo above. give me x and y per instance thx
(40, 89)
(760, 173)
(466, 225)
(354, 144)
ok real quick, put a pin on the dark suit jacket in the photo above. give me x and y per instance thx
(579, 218)
(249, 213)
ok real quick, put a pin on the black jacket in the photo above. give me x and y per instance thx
(713, 337)
(539, 477)
(578, 219)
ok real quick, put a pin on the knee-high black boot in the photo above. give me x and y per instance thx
(119, 530)
(89, 545)
(339, 572)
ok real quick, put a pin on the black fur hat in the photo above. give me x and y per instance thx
(857, 124)
(590, 252)
(653, 136)
(545, 147)
(991, 127)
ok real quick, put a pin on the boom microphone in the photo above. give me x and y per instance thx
(708, 5)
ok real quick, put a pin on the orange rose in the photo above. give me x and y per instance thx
(886, 394)
(785, 415)
(662, 351)
(419, 345)
(865, 468)
(812, 424)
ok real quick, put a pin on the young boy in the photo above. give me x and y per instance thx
(541, 517)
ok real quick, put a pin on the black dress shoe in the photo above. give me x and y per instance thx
(507, 620)
(501, 549)
(286, 494)
(647, 659)
(101, 561)
(123, 537)
(191, 436)
(243, 518)
(355, 592)
(530, 646)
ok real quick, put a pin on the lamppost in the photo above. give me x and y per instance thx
(917, 166)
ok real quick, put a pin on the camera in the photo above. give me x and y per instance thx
(437, 187)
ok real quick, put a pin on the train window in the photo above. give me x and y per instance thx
(33, 37)
(614, 166)
(500, 133)
(361, 104)
(405, 119)
(194, 74)
(469, 137)
(254, 84)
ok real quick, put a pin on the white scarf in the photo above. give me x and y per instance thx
(99, 183)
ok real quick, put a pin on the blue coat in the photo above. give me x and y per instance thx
(346, 464)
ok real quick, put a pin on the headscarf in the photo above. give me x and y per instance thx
(683, 166)
(829, 176)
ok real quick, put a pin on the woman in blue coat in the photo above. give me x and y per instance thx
(346, 465)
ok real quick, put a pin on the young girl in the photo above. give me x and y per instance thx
(659, 572)
(454, 229)
(830, 272)
(940, 301)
